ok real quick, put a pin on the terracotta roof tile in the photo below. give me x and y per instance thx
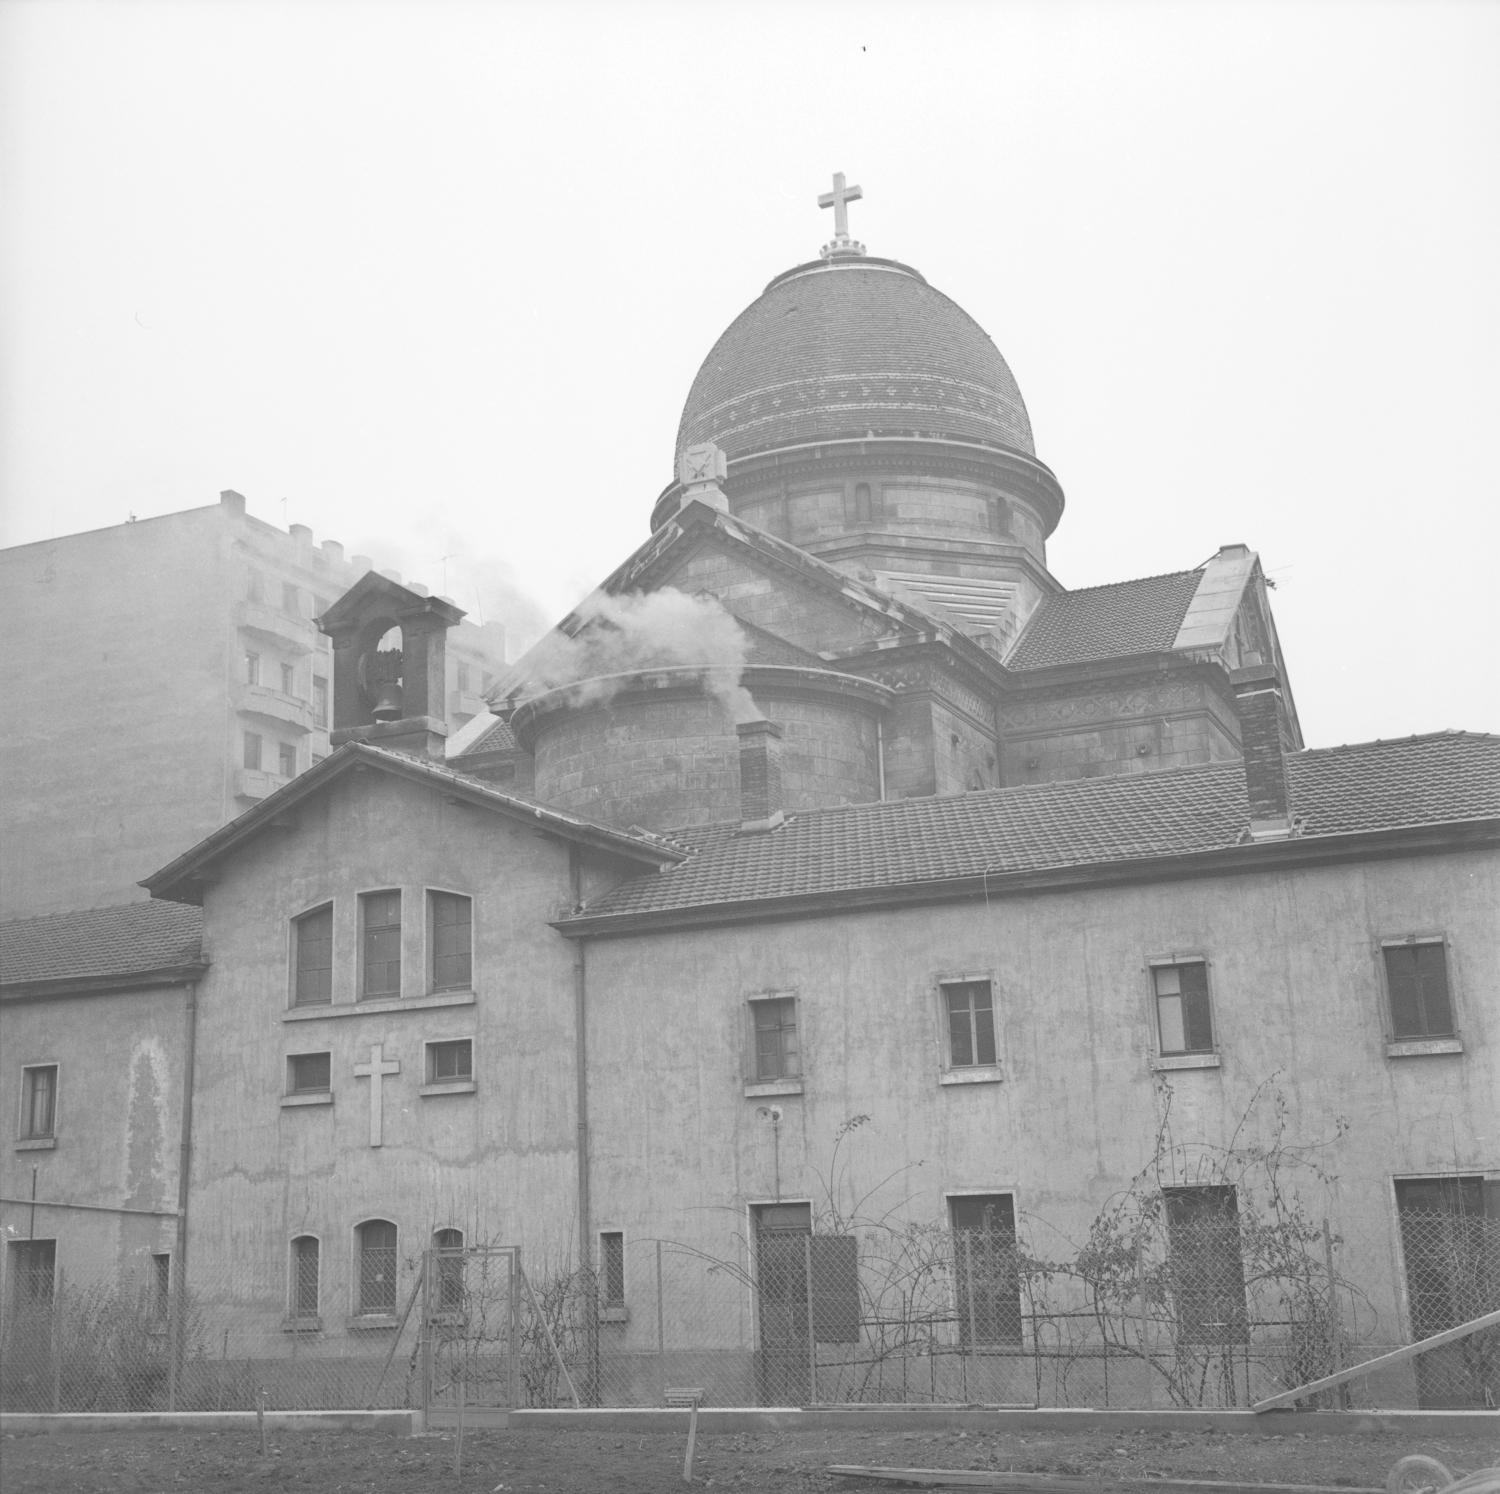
(125, 940)
(1377, 785)
(1104, 622)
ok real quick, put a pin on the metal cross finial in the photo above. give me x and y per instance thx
(839, 200)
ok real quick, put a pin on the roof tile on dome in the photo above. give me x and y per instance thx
(1105, 622)
(849, 348)
(1438, 779)
(130, 939)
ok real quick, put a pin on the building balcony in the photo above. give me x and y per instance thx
(288, 632)
(252, 785)
(272, 705)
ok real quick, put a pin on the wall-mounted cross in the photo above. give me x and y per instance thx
(375, 1071)
(839, 200)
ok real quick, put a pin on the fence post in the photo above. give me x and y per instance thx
(1146, 1347)
(812, 1335)
(424, 1336)
(1335, 1327)
(57, 1301)
(661, 1325)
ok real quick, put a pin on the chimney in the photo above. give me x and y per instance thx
(301, 533)
(760, 776)
(361, 564)
(232, 503)
(334, 551)
(1259, 705)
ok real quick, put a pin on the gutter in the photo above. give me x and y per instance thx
(96, 985)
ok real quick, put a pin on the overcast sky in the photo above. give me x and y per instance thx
(434, 279)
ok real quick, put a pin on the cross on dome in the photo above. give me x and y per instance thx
(839, 199)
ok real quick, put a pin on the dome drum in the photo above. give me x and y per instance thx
(660, 747)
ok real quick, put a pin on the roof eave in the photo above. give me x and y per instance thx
(1295, 852)
(60, 986)
(182, 880)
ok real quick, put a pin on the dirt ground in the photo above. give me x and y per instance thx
(567, 1462)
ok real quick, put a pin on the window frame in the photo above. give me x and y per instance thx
(297, 1315)
(15, 1273)
(293, 1089)
(363, 931)
(1182, 1058)
(978, 1071)
(252, 761)
(433, 894)
(319, 701)
(1194, 1327)
(430, 1074)
(1399, 1044)
(788, 1065)
(966, 1323)
(611, 1267)
(252, 666)
(297, 922)
(26, 1130)
(286, 759)
(447, 1281)
(383, 1310)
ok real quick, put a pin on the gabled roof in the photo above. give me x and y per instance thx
(181, 879)
(890, 851)
(129, 942)
(1104, 622)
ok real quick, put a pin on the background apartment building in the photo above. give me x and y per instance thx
(161, 676)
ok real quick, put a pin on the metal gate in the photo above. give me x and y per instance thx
(471, 1327)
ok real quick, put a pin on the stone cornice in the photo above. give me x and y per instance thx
(1019, 475)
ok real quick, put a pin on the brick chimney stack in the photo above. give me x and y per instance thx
(760, 776)
(1262, 712)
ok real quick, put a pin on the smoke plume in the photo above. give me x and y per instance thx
(622, 635)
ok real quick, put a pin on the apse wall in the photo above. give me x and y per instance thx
(662, 751)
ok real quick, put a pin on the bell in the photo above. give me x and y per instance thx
(388, 703)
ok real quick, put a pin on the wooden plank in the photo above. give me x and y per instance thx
(1043, 1483)
(1383, 1361)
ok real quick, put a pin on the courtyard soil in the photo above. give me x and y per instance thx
(575, 1462)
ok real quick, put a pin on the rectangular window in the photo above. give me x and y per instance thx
(312, 940)
(309, 1074)
(463, 678)
(290, 601)
(252, 751)
(970, 1009)
(1205, 1269)
(1416, 982)
(255, 587)
(448, 1247)
(774, 1023)
(252, 668)
(33, 1267)
(452, 943)
(288, 679)
(304, 1284)
(286, 759)
(380, 944)
(161, 1284)
(987, 1287)
(320, 701)
(375, 1242)
(450, 1063)
(1183, 1021)
(38, 1101)
(612, 1267)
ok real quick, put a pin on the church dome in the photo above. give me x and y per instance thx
(852, 347)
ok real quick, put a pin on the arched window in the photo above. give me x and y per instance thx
(303, 1296)
(449, 1277)
(375, 1248)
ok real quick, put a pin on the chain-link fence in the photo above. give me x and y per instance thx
(1185, 1304)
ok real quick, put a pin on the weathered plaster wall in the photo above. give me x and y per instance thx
(681, 1149)
(497, 1163)
(117, 1128)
